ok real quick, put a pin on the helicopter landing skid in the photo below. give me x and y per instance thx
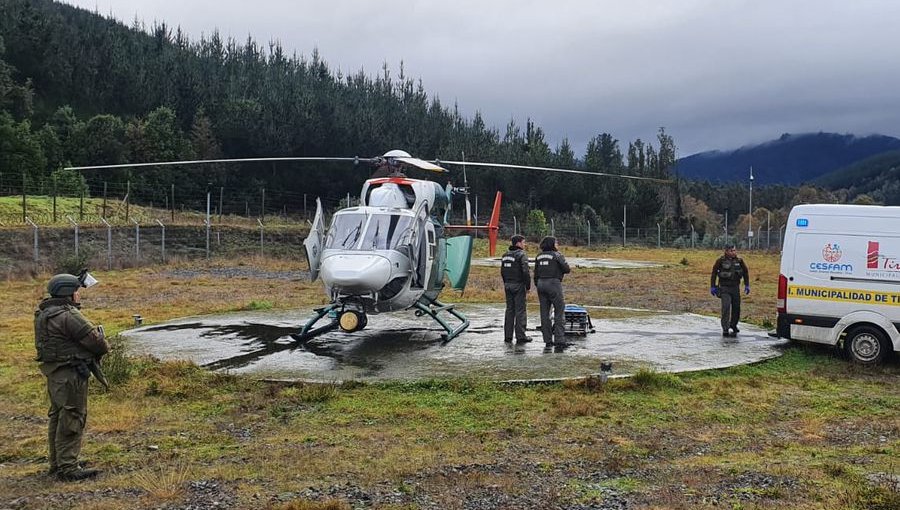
(308, 332)
(433, 307)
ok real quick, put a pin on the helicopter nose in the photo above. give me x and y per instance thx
(356, 273)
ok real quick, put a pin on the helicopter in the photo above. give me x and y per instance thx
(392, 251)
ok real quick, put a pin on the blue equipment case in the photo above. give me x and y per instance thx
(578, 322)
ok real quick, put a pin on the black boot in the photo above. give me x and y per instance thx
(76, 475)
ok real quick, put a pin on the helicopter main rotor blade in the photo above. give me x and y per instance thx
(210, 161)
(420, 163)
(548, 169)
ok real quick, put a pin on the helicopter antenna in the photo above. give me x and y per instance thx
(466, 192)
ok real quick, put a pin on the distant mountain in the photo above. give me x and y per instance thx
(791, 159)
(878, 177)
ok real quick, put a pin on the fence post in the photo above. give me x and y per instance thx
(137, 239)
(515, 226)
(127, 198)
(624, 224)
(35, 228)
(658, 236)
(207, 220)
(163, 240)
(261, 250)
(692, 236)
(552, 227)
(24, 200)
(108, 244)
(54, 197)
(73, 222)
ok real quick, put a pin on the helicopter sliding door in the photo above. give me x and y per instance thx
(313, 242)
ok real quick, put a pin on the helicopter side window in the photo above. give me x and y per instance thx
(345, 231)
(386, 231)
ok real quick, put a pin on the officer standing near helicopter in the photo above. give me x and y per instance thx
(68, 348)
(516, 283)
(549, 268)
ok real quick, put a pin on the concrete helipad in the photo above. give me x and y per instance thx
(400, 346)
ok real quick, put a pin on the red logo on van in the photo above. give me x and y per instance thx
(872, 255)
(831, 252)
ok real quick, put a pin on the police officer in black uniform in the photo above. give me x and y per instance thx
(516, 283)
(729, 269)
(549, 268)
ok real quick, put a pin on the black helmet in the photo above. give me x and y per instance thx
(63, 285)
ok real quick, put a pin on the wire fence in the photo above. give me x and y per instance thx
(65, 233)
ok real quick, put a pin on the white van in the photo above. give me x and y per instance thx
(840, 279)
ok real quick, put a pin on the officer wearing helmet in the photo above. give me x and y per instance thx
(68, 347)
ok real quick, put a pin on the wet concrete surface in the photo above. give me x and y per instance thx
(400, 346)
(581, 262)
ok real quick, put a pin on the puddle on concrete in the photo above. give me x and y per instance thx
(400, 346)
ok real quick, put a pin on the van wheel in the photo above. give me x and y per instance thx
(866, 345)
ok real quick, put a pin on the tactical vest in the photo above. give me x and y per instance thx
(511, 266)
(58, 327)
(546, 265)
(731, 270)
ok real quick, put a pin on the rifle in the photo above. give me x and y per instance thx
(94, 366)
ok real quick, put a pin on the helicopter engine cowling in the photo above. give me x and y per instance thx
(356, 273)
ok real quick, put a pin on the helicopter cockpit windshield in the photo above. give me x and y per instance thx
(380, 231)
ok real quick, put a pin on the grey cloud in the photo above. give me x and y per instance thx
(717, 74)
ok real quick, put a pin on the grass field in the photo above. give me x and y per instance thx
(807, 430)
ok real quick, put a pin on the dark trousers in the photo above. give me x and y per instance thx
(68, 414)
(550, 294)
(516, 320)
(731, 306)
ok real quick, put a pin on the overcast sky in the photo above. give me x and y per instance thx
(718, 74)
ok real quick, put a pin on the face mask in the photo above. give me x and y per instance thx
(87, 280)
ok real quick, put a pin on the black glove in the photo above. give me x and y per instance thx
(81, 369)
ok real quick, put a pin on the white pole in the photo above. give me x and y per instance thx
(750, 218)
(658, 236)
(624, 223)
(35, 227)
(207, 223)
(163, 240)
(76, 233)
(261, 251)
